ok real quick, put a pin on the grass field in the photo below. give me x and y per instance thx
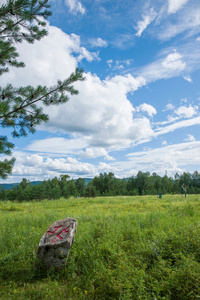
(125, 248)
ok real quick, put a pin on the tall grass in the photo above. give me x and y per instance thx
(125, 248)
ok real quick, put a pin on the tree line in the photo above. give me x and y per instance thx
(103, 185)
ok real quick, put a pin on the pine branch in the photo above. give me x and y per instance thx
(77, 76)
(19, 110)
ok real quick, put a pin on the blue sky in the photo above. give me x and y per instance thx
(137, 110)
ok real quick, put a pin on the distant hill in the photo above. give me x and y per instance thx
(8, 186)
(87, 180)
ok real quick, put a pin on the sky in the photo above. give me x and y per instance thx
(139, 106)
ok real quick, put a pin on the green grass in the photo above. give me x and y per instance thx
(125, 248)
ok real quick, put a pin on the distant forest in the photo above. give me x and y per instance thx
(103, 185)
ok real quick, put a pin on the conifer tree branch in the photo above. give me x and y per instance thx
(19, 107)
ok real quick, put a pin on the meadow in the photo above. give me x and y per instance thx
(139, 247)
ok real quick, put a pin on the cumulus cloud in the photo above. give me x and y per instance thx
(106, 168)
(48, 60)
(102, 112)
(174, 6)
(47, 167)
(149, 109)
(145, 22)
(31, 161)
(75, 6)
(173, 158)
(96, 152)
(186, 111)
(68, 165)
(174, 62)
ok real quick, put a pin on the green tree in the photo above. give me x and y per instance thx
(25, 183)
(3, 194)
(195, 178)
(120, 186)
(142, 182)
(72, 188)
(185, 178)
(131, 186)
(157, 182)
(90, 191)
(24, 20)
(104, 184)
(63, 183)
(80, 185)
(167, 185)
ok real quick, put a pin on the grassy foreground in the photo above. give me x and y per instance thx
(125, 248)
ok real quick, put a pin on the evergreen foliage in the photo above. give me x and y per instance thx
(103, 185)
(24, 20)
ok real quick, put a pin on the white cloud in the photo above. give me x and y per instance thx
(169, 107)
(198, 39)
(101, 112)
(47, 167)
(173, 62)
(45, 67)
(75, 6)
(189, 138)
(98, 42)
(181, 124)
(173, 158)
(146, 21)
(187, 20)
(146, 108)
(164, 143)
(58, 145)
(186, 111)
(175, 5)
(168, 66)
(119, 64)
(31, 161)
(184, 100)
(69, 165)
(188, 78)
(109, 61)
(96, 152)
(105, 168)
